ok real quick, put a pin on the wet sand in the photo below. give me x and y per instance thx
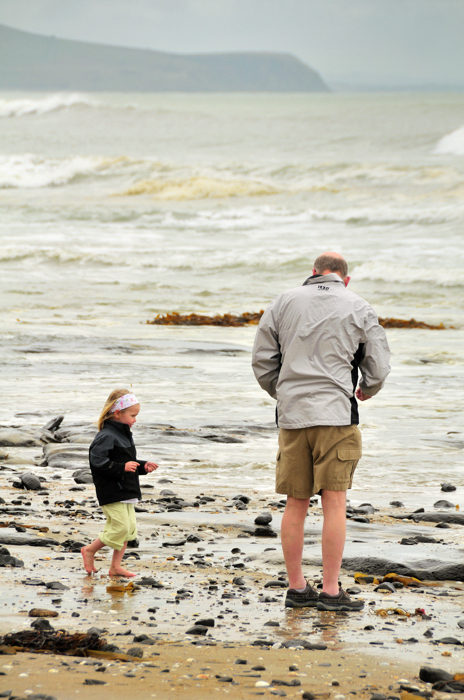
(221, 573)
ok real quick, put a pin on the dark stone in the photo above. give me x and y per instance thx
(41, 623)
(276, 583)
(461, 624)
(95, 630)
(94, 681)
(150, 582)
(366, 509)
(53, 424)
(241, 662)
(353, 590)
(289, 684)
(360, 519)
(143, 639)
(238, 581)
(292, 643)
(8, 560)
(448, 640)
(449, 687)
(241, 497)
(424, 570)
(397, 504)
(443, 504)
(28, 540)
(263, 519)
(432, 675)
(240, 505)
(308, 696)
(224, 679)
(455, 518)
(443, 526)
(133, 544)
(258, 668)
(57, 586)
(409, 541)
(31, 481)
(206, 622)
(265, 532)
(447, 487)
(386, 586)
(110, 647)
(136, 651)
(82, 476)
(198, 629)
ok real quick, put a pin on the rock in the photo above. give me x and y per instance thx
(41, 623)
(276, 583)
(150, 582)
(386, 586)
(8, 560)
(41, 612)
(224, 679)
(56, 586)
(206, 622)
(353, 590)
(308, 696)
(263, 519)
(83, 476)
(461, 624)
(289, 684)
(455, 518)
(426, 569)
(197, 629)
(238, 581)
(17, 438)
(293, 643)
(144, 639)
(397, 504)
(264, 532)
(95, 630)
(31, 481)
(135, 651)
(53, 424)
(448, 640)
(241, 662)
(432, 675)
(366, 509)
(94, 681)
(360, 519)
(449, 687)
(443, 526)
(241, 497)
(443, 504)
(25, 539)
(445, 486)
(240, 505)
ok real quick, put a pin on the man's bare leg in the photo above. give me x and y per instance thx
(333, 538)
(292, 538)
(116, 569)
(88, 553)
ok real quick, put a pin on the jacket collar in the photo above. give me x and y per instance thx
(315, 279)
(118, 427)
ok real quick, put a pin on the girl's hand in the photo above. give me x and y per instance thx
(131, 466)
(150, 467)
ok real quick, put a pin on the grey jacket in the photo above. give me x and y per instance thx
(309, 345)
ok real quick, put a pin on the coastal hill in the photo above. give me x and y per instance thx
(34, 62)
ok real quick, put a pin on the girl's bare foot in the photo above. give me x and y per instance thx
(119, 571)
(89, 564)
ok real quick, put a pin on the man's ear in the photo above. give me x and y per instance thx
(346, 280)
(314, 271)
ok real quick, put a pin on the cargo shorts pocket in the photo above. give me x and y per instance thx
(345, 455)
(348, 460)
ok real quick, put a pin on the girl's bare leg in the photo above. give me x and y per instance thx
(116, 569)
(88, 553)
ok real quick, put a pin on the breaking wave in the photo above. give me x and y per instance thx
(387, 272)
(452, 144)
(202, 188)
(51, 103)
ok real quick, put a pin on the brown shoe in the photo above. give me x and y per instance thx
(340, 602)
(306, 599)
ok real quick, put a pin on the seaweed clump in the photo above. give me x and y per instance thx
(54, 642)
(252, 319)
(176, 319)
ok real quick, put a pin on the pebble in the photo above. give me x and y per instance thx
(262, 684)
(443, 504)
(198, 629)
(447, 487)
(263, 519)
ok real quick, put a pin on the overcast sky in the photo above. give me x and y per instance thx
(365, 42)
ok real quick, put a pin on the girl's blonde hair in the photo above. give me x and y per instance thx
(110, 401)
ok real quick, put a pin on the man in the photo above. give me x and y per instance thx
(310, 343)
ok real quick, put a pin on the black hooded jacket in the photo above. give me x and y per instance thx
(111, 448)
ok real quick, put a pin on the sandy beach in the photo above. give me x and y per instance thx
(202, 560)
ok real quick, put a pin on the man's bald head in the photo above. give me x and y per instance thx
(331, 262)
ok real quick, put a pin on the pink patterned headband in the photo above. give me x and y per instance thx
(124, 402)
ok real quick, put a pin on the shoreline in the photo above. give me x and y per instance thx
(201, 556)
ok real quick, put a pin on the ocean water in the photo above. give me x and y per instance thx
(116, 207)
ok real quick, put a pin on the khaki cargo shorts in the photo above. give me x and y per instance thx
(120, 526)
(316, 458)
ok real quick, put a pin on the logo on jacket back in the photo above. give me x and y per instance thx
(322, 288)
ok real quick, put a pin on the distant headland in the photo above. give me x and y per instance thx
(34, 62)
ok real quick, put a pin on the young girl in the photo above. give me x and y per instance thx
(115, 471)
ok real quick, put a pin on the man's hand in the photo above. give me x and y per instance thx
(131, 466)
(361, 396)
(150, 467)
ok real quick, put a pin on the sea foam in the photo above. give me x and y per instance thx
(51, 103)
(452, 144)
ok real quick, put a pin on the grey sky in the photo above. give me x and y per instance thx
(383, 42)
